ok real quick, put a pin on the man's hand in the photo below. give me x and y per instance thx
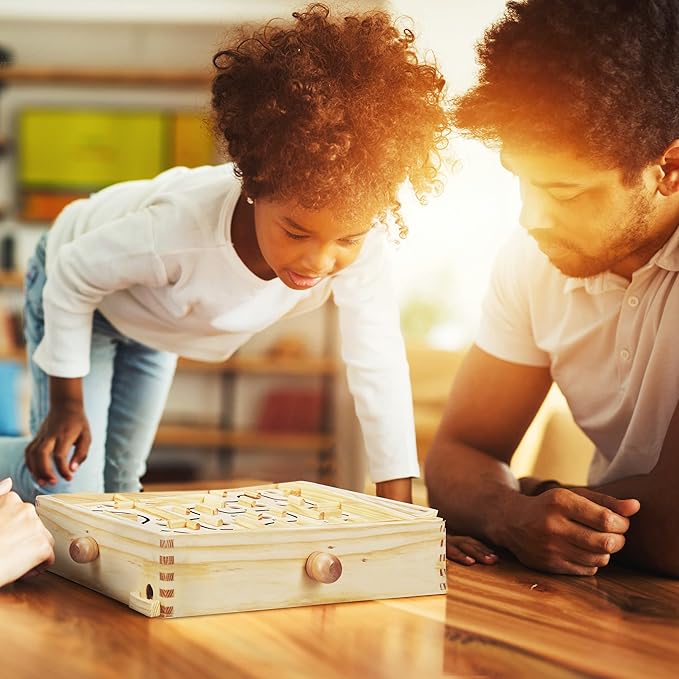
(396, 489)
(65, 426)
(566, 531)
(24, 542)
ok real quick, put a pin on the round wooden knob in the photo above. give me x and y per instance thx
(84, 550)
(323, 567)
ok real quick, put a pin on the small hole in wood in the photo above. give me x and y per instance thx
(149, 592)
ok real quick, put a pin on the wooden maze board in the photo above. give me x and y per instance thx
(303, 542)
(244, 509)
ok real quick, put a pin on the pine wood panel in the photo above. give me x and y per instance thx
(501, 621)
(146, 549)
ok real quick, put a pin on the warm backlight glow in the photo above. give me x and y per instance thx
(445, 263)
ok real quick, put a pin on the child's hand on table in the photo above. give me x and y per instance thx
(467, 551)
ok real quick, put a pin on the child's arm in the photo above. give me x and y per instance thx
(116, 256)
(377, 369)
(64, 427)
(112, 257)
(24, 542)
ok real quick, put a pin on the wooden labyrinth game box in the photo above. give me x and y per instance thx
(176, 554)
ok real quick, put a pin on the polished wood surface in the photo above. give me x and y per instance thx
(499, 621)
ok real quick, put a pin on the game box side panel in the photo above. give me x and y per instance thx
(273, 575)
(122, 565)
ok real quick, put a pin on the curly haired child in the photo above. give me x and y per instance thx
(323, 119)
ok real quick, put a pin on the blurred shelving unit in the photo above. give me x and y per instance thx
(16, 355)
(11, 279)
(265, 365)
(69, 75)
(134, 12)
(243, 369)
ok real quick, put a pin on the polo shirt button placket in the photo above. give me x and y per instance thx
(625, 354)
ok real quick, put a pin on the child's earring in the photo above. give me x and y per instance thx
(250, 201)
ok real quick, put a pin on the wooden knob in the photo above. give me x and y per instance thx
(323, 567)
(84, 550)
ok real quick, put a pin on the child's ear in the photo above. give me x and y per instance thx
(669, 183)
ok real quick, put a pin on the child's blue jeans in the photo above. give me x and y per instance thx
(124, 393)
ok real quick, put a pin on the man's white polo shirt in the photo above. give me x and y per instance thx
(612, 346)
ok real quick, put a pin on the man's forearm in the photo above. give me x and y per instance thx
(472, 493)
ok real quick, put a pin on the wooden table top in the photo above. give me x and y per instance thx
(498, 621)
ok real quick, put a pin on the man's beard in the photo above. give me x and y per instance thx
(623, 242)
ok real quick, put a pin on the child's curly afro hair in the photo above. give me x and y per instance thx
(331, 113)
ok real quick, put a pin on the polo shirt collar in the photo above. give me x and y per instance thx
(668, 255)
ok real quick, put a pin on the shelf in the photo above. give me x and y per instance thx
(152, 12)
(18, 355)
(264, 365)
(209, 437)
(11, 279)
(104, 76)
(252, 365)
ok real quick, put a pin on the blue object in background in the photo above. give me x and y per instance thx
(10, 398)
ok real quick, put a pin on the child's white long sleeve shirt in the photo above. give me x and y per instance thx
(155, 257)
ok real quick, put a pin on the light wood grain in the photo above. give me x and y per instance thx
(251, 560)
(501, 621)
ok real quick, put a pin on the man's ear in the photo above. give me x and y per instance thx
(669, 163)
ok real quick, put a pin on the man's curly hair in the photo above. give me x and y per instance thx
(331, 113)
(599, 78)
